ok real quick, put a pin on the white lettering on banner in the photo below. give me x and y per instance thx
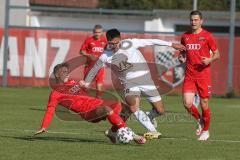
(193, 46)
(35, 58)
(63, 46)
(13, 59)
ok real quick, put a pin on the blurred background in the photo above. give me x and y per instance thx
(43, 33)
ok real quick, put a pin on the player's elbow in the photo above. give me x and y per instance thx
(217, 55)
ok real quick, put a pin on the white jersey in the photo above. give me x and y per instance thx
(128, 62)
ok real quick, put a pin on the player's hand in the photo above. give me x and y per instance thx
(179, 47)
(42, 130)
(82, 83)
(181, 58)
(206, 60)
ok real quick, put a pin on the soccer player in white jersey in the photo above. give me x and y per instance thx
(128, 63)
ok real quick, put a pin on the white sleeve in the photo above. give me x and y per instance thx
(137, 43)
(97, 66)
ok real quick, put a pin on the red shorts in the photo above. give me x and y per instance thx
(99, 78)
(200, 86)
(88, 109)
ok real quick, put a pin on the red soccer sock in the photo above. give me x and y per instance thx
(194, 112)
(116, 121)
(206, 118)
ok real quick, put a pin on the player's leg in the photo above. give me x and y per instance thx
(188, 98)
(118, 123)
(189, 91)
(153, 96)
(204, 93)
(132, 98)
(99, 82)
(111, 113)
(98, 113)
(155, 100)
(157, 110)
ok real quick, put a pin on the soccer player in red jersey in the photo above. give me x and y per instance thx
(69, 94)
(198, 43)
(92, 48)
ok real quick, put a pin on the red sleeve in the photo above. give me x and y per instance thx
(212, 43)
(84, 45)
(52, 104)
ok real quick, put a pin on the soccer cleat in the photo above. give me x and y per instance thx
(199, 127)
(111, 135)
(152, 135)
(204, 136)
(139, 139)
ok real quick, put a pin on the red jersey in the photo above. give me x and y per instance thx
(198, 46)
(71, 96)
(93, 46)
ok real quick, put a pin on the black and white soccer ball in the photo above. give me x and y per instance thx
(124, 135)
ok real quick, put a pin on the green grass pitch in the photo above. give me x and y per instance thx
(22, 109)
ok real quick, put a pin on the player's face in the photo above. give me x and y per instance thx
(114, 44)
(63, 74)
(196, 22)
(97, 33)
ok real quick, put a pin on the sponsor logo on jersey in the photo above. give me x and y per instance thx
(97, 49)
(193, 46)
(201, 38)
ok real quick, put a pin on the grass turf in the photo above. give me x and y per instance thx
(22, 109)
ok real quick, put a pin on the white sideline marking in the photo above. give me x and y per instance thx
(82, 133)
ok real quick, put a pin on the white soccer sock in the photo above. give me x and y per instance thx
(144, 120)
(153, 114)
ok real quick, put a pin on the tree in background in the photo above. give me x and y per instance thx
(219, 5)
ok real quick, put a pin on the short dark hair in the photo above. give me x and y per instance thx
(97, 26)
(112, 33)
(196, 12)
(58, 66)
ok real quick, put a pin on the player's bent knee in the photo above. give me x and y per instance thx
(104, 110)
(187, 104)
(204, 103)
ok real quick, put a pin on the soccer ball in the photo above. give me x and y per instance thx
(124, 135)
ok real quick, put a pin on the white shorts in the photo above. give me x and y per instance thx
(148, 91)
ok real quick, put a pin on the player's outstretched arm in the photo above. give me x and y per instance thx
(148, 42)
(178, 47)
(93, 72)
(52, 103)
(84, 53)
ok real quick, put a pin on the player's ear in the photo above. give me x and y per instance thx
(201, 21)
(57, 74)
